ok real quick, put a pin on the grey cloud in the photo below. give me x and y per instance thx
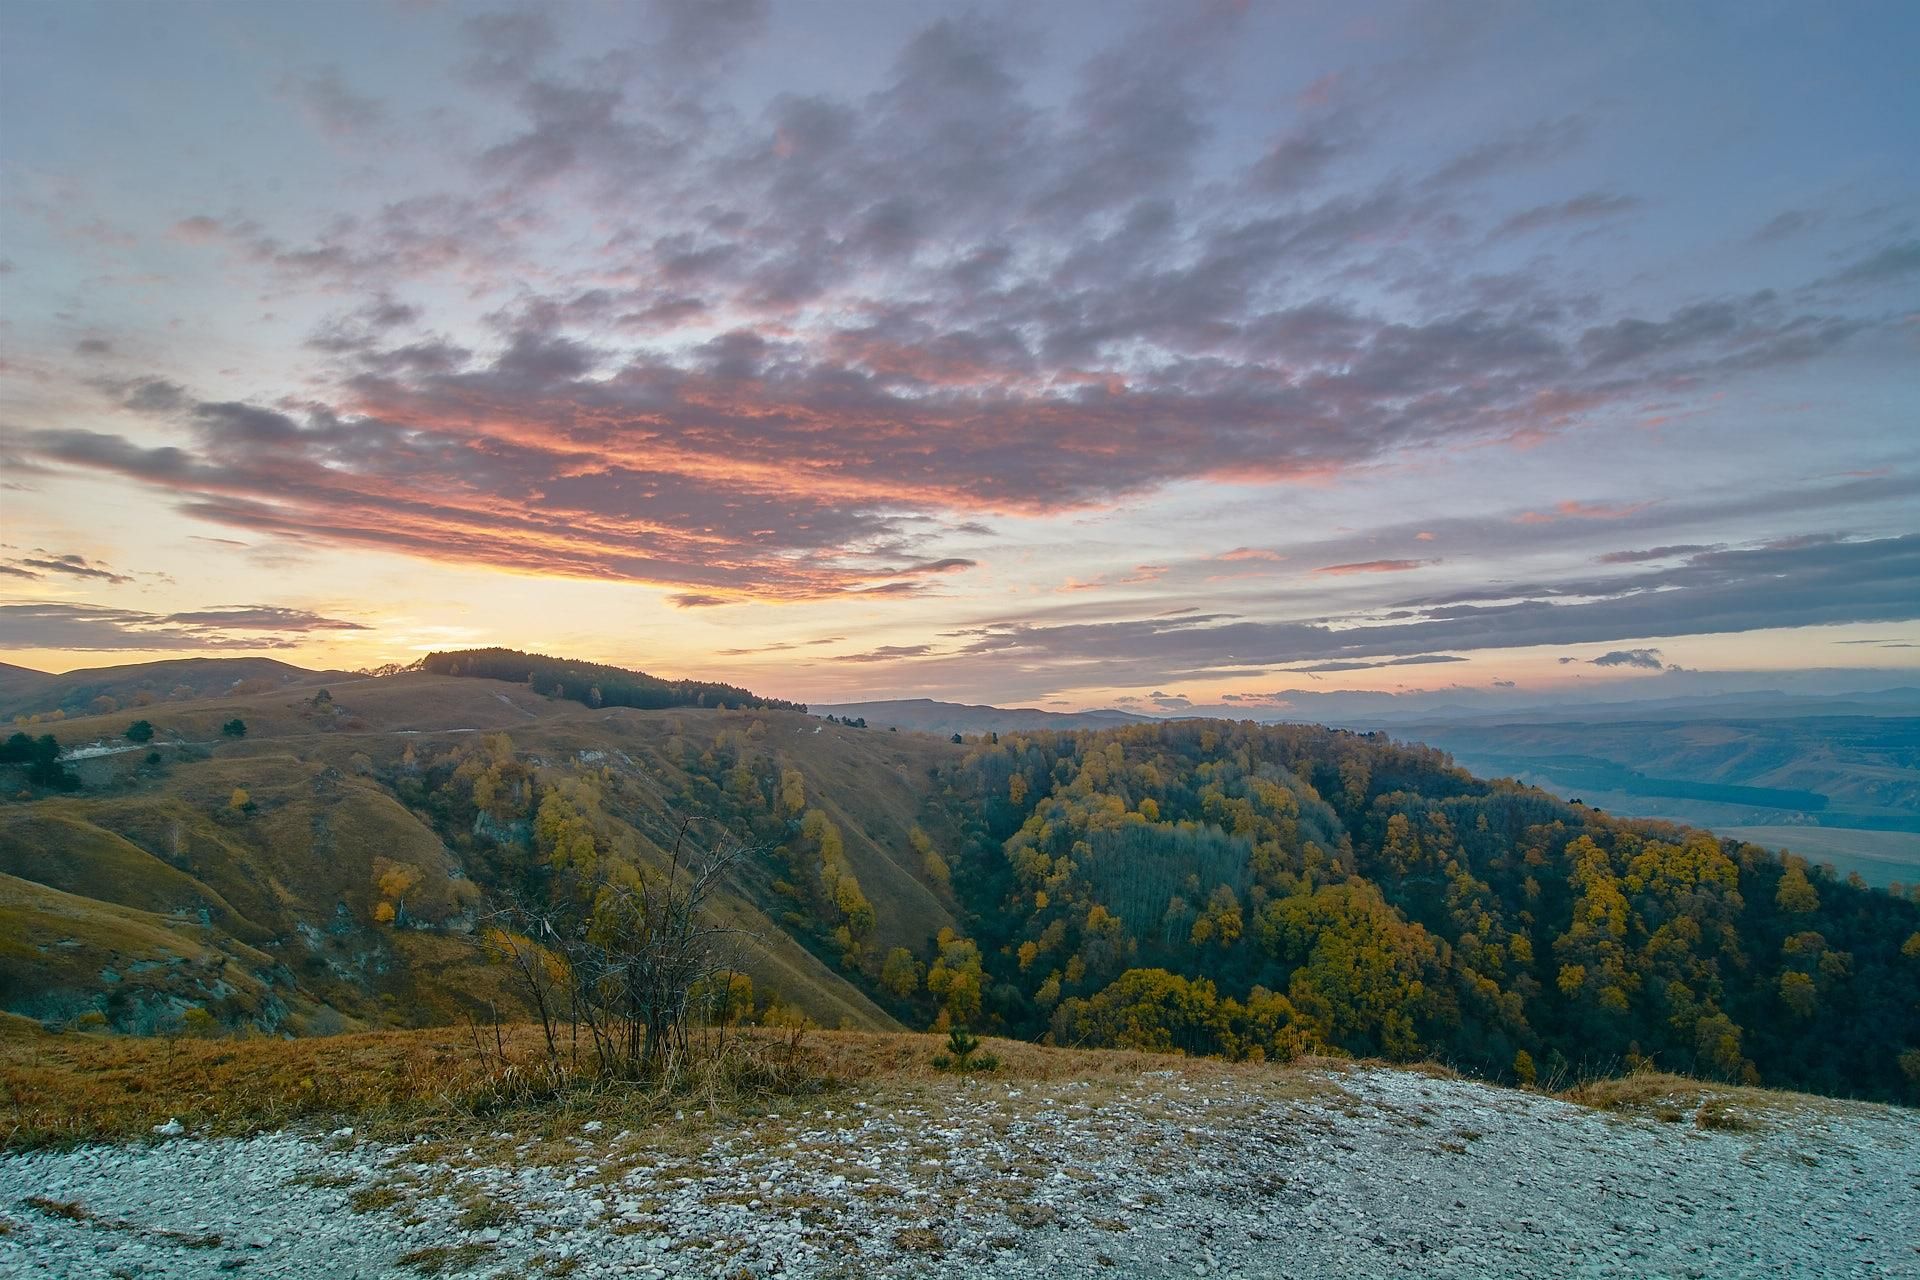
(1785, 225)
(1542, 142)
(1747, 589)
(505, 46)
(335, 109)
(700, 33)
(1414, 660)
(1646, 659)
(1894, 262)
(41, 562)
(1583, 208)
(260, 618)
(1657, 553)
(84, 627)
(886, 653)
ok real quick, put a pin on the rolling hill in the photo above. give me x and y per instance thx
(1206, 886)
(24, 691)
(150, 892)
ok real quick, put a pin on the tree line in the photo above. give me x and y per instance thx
(592, 683)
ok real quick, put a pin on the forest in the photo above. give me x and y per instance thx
(1270, 891)
(592, 683)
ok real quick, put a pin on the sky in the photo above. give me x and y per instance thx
(1143, 355)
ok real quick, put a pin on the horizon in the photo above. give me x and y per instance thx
(859, 352)
(1331, 706)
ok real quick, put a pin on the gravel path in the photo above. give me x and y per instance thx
(1363, 1172)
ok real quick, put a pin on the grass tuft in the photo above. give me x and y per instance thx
(436, 1259)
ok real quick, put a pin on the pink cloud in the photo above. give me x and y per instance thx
(1572, 510)
(1374, 566)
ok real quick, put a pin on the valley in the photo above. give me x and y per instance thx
(329, 855)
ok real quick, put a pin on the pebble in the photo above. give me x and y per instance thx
(1382, 1172)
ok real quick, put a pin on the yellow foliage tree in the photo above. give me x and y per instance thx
(1796, 893)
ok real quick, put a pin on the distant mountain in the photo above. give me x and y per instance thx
(24, 691)
(924, 715)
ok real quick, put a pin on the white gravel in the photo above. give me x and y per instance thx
(1380, 1173)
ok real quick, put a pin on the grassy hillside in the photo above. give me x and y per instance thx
(1199, 886)
(343, 791)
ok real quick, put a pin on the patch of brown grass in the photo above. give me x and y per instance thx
(919, 1240)
(1670, 1098)
(434, 1259)
(65, 1089)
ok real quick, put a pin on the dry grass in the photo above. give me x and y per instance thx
(435, 1259)
(63, 1089)
(1675, 1099)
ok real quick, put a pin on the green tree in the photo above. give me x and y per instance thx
(140, 731)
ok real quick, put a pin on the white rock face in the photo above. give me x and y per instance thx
(1379, 1173)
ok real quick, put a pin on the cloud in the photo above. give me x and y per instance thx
(335, 110)
(1895, 262)
(886, 653)
(260, 618)
(1803, 583)
(1646, 659)
(1374, 566)
(773, 345)
(87, 627)
(1583, 208)
(1572, 510)
(1786, 225)
(1658, 553)
(1536, 144)
(40, 563)
(1415, 660)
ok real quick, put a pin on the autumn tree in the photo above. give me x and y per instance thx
(1796, 894)
(900, 974)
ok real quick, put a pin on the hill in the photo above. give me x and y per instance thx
(24, 691)
(924, 715)
(1216, 888)
(593, 683)
(346, 789)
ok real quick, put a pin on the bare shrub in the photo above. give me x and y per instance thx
(627, 961)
